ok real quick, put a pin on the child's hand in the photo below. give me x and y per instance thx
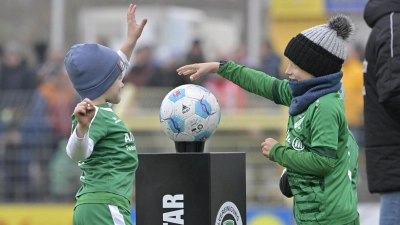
(84, 113)
(199, 69)
(267, 146)
(134, 29)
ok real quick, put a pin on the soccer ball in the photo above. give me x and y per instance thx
(189, 113)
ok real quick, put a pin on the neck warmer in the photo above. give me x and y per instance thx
(307, 91)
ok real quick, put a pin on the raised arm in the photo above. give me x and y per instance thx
(134, 32)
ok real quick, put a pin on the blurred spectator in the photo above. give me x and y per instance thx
(60, 99)
(270, 61)
(1, 61)
(167, 75)
(63, 185)
(195, 55)
(15, 74)
(47, 123)
(240, 56)
(231, 97)
(353, 85)
(143, 68)
(40, 49)
(17, 83)
(1, 53)
(53, 60)
(13, 164)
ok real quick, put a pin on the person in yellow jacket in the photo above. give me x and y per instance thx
(353, 88)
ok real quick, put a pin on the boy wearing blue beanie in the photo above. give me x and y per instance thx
(320, 152)
(101, 143)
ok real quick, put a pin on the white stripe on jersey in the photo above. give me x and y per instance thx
(116, 215)
(391, 34)
(107, 109)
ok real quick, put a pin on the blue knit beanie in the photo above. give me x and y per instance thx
(92, 69)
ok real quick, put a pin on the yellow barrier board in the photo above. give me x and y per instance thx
(295, 9)
(36, 214)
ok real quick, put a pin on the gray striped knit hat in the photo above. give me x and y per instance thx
(321, 50)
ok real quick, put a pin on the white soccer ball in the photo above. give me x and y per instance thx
(189, 113)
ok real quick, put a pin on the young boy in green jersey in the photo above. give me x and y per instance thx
(101, 143)
(316, 152)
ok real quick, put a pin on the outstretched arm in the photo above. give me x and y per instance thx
(251, 80)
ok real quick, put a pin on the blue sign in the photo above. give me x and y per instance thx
(344, 6)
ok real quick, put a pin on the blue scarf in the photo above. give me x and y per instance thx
(306, 92)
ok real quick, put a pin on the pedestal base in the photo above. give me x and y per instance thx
(195, 146)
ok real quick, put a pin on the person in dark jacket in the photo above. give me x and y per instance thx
(382, 105)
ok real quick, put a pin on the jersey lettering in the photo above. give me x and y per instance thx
(129, 137)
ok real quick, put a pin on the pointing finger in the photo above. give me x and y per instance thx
(189, 72)
(195, 76)
(185, 68)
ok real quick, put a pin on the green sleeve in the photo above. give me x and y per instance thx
(74, 123)
(257, 82)
(353, 151)
(321, 155)
(325, 128)
(98, 127)
(301, 161)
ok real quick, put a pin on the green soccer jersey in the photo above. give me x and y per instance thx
(317, 154)
(108, 173)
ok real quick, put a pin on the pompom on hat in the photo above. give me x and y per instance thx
(92, 68)
(321, 50)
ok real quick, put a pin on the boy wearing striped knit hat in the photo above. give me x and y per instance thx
(319, 152)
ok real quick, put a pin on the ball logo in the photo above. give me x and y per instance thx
(203, 138)
(228, 214)
(185, 109)
(176, 93)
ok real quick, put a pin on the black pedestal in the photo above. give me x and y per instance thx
(194, 146)
(191, 188)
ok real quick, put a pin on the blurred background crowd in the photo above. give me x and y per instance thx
(37, 98)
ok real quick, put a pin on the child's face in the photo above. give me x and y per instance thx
(113, 94)
(295, 73)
